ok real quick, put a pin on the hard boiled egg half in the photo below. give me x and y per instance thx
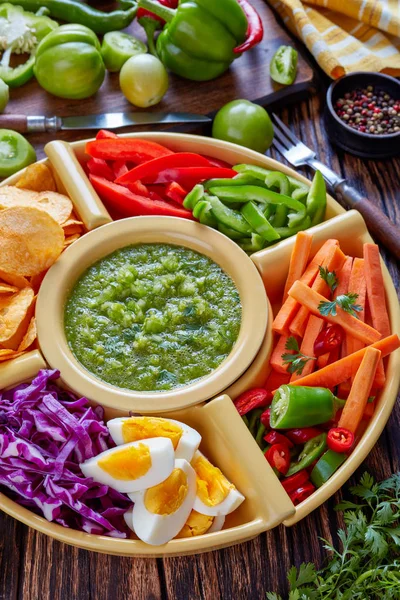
(160, 512)
(215, 494)
(185, 440)
(133, 466)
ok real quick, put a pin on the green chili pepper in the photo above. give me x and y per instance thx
(15, 152)
(193, 196)
(260, 434)
(286, 232)
(198, 39)
(74, 11)
(231, 233)
(311, 451)
(245, 420)
(255, 243)
(203, 212)
(283, 66)
(246, 193)
(299, 406)
(279, 218)
(258, 222)
(326, 466)
(253, 420)
(316, 199)
(117, 47)
(279, 180)
(227, 216)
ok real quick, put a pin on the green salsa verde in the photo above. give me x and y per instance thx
(152, 317)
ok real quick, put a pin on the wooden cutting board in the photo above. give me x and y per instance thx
(247, 78)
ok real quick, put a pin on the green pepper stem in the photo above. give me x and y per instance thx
(150, 26)
(158, 9)
(338, 403)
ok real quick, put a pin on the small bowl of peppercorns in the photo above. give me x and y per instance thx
(362, 114)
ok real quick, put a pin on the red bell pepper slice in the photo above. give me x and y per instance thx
(137, 187)
(189, 176)
(278, 457)
(217, 162)
(302, 493)
(104, 134)
(130, 205)
(133, 149)
(175, 192)
(340, 439)
(301, 436)
(149, 170)
(292, 483)
(98, 166)
(120, 168)
(274, 437)
(254, 398)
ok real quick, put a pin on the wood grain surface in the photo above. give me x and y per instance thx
(34, 567)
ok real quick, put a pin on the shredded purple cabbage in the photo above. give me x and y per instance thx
(45, 432)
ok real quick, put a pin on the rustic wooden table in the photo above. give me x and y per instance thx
(34, 567)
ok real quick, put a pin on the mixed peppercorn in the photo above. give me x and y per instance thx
(369, 110)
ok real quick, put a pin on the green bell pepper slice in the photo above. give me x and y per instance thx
(279, 218)
(311, 451)
(15, 152)
(252, 170)
(203, 212)
(231, 233)
(316, 199)
(300, 406)
(298, 189)
(193, 197)
(286, 232)
(247, 193)
(230, 218)
(326, 467)
(198, 39)
(258, 222)
(254, 244)
(235, 181)
(279, 180)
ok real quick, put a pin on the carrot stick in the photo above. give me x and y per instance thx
(344, 278)
(333, 262)
(328, 358)
(357, 285)
(276, 360)
(311, 299)
(313, 328)
(323, 360)
(290, 306)
(376, 289)
(298, 260)
(380, 376)
(333, 374)
(354, 408)
(275, 380)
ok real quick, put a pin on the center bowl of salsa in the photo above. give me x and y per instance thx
(151, 313)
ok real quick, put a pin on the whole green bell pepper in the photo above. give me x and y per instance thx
(69, 62)
(198, 39)
(300, 406)
(20, 33)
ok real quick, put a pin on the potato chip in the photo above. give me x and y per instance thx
(71, 239)
(12, 315)
(29, 337)
(30, 240)
(36, 281)
(17, 280)
(5, 288)
(56, 205)
(37, 177)
(14, 354)
(72, 226)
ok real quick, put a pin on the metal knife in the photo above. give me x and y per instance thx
(36, 123)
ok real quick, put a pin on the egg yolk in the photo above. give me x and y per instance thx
(212, 486)
(128, 463)
(143, 428)
(197, 524)
(166, 497)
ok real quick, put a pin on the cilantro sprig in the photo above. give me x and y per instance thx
(296, 361)
(345, 301)
(329, 277)
(366, 565)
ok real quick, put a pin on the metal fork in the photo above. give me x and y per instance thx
(297, 154)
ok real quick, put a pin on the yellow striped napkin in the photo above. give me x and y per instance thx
(346, 35)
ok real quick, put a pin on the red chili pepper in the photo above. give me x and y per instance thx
(275, 380)
(255, 30)
(293, 482)
(149, 171)
(255, 398)
(328, 339)
(302, 493)
(98, 166)
(301, 436)
(104, 134)
(266, 417)
(133, 149)
(130, 205)
(120, 168)
(340, 439)
(278, 456)
(175, 192)
(274, 437)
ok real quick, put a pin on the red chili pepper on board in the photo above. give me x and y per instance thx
(302, 493)
(301, 436)
(328, 339)
(255, 398)
(340, 439)
(274, 437)
(278, 457)
(255, 30)
(295, 481)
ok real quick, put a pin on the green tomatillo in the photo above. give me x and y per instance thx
(4, 95)
(245, 123)
(69, 62)
(143, 80)
(15, 152)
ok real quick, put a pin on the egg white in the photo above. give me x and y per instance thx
(217, 524)
(187, 445)
(159, 529)
(162, 462)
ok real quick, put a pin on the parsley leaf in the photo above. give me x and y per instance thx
(329, 277)
(296, 361)
(346, 303)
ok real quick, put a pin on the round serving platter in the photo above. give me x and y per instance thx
(236, 452)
